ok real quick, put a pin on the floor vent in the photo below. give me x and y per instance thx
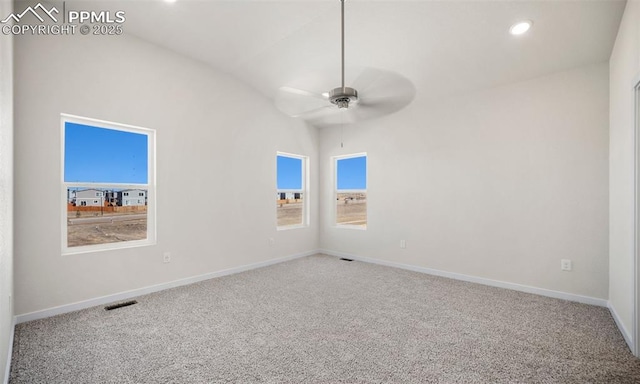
(345, 259)
(120, 305)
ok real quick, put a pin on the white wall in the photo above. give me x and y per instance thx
(624, 71)
(6, 193)
(500, 184)
(216, 146)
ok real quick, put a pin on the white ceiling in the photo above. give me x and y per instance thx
(442, 47)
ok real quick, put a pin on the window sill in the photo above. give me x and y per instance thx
(349, 226)
(106, 247)
(288, 227)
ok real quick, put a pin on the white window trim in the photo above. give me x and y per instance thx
(334, 164)
(150, 186)
(304, 190)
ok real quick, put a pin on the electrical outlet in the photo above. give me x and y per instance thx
(565, 265)
(166, 257)
(272, 241)
(403, 244)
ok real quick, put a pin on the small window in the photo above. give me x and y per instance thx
(95, 215)
(351, 191)
(291, 205)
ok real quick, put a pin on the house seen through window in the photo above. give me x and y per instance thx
(107, 203)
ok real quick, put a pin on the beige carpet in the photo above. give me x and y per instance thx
(322, 320)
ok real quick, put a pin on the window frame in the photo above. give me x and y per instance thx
(304, 191)
(150, 186)
(334, 163)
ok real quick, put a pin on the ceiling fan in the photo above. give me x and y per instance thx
(381, 93)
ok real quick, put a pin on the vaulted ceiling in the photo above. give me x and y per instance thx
(440, 47)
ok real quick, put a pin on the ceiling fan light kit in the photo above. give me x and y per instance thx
(342, 96)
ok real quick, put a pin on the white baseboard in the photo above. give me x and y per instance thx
(474, 279)
(625, 333)
(154, 288)
(7, 369)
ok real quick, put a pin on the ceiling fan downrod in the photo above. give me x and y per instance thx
(342, 96)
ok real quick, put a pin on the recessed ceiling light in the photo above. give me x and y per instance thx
(520, 27)
(170, 1)
(325, 94)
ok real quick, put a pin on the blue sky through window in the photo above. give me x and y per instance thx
(352, 173)
(289, 172)
(101, 155)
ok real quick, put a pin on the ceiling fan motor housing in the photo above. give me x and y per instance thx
(342, 96)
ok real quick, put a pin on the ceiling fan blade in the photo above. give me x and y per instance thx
(367, 77)
(366, 110)
(333, 116)
(376, 83)
(387, 104)
(302, 92)
(314, 113)
(297, 102)
(382, 93)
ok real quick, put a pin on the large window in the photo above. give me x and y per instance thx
(351, 191)
(291, 199)
(108, 185)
